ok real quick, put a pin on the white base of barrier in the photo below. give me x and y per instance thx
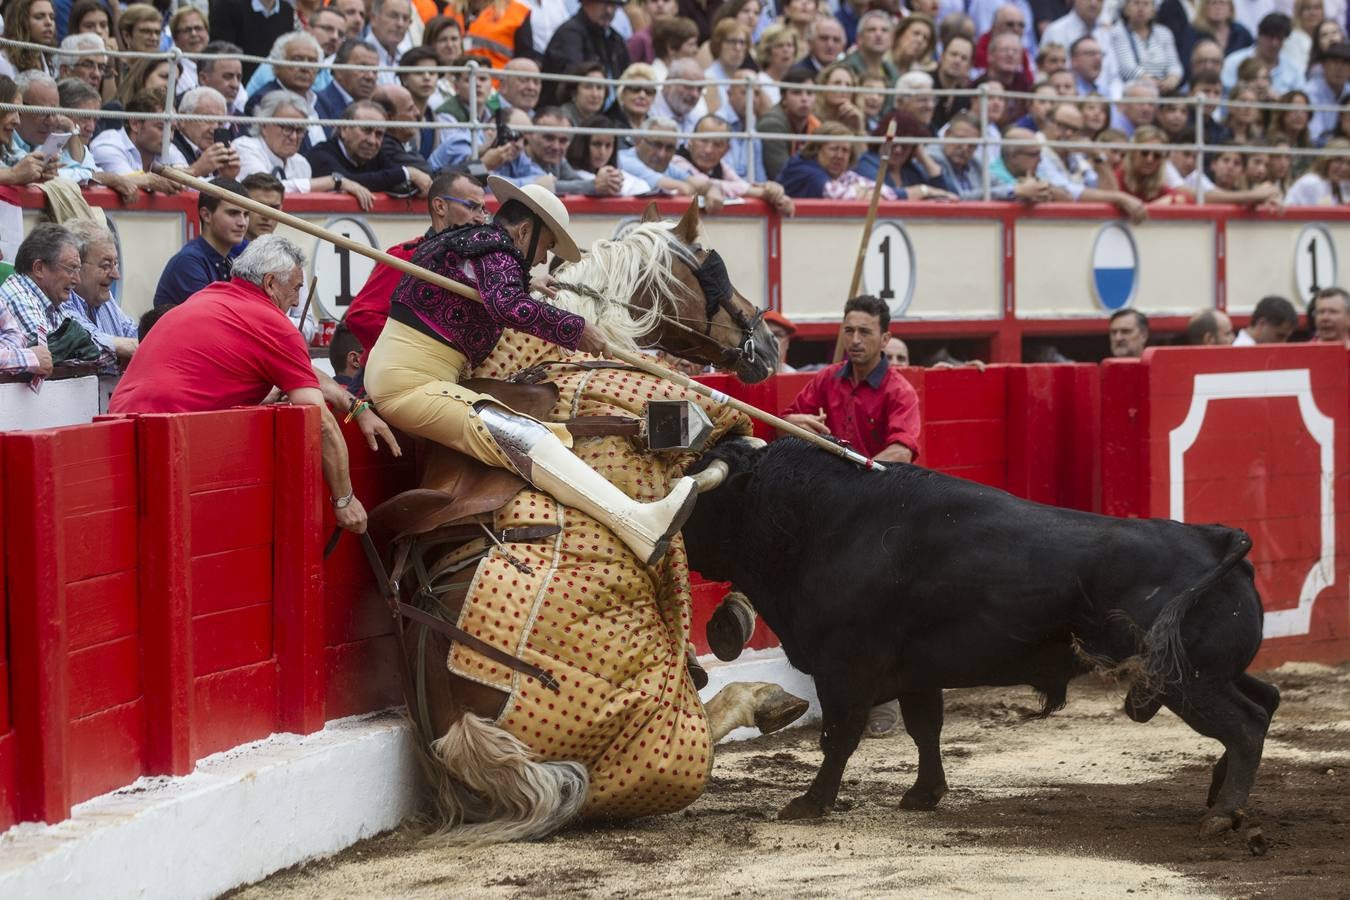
(259, 808)
(240, 816)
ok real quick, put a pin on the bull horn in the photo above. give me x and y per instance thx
(755, 443)
(710, 477)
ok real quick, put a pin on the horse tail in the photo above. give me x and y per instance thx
(489, 789)
(1165, 658)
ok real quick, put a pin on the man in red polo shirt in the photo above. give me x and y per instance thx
(862, 400)
(868, 404)
(229, 345)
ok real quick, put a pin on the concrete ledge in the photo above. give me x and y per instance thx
(240, 816)
(259, 808)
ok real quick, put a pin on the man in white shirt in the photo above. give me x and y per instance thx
(681, 103)
(134, 148)
(1329, 89)
(1273, 321)
(388, 30)
(1270, 37)
(1085, 20)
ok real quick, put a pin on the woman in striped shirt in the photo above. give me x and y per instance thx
(1142, 48)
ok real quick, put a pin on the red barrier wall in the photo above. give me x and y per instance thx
(9, 795)
(1257, 438)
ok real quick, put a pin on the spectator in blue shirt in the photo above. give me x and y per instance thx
(650, 156)
(209, 256)
(91, 301)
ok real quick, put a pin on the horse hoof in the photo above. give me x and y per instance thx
(925, 799)
(779, 710)
(1213, 826)
(803, 807)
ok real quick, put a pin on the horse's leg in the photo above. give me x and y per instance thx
(747, 704)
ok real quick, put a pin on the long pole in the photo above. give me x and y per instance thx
(633, 359)
(853, 285)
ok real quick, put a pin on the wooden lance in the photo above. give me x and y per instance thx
(635, 360)
(853, 286)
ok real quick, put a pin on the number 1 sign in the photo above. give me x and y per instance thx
(888, 268)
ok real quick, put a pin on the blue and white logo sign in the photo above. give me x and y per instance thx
(1115, 267)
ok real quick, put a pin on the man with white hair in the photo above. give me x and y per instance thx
(1129, 116)
(681, 103)
(650, 157)
(295, 47)
(824, 43)
(274, 148)
(204, 155)
(230, 347)
(91, 301)
(88, 67)
(915, 90)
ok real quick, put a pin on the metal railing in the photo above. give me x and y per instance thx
(1200, 110)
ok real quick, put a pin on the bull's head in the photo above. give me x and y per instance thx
(713, 534)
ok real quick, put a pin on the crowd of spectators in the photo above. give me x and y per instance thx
(1118, 71)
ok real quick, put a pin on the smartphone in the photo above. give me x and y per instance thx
(222, 135)
(56, 142)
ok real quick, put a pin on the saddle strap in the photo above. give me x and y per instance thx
(604, 426)
(459, 635)
(535, 374)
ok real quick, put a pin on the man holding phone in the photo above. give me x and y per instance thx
(205, 145)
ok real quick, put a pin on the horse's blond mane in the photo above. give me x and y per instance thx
(618, 270)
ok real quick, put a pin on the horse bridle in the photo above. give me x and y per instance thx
(715, 283)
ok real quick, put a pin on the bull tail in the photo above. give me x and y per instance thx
(1165, 659)
(489, 788)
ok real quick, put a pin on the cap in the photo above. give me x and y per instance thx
(774, 317)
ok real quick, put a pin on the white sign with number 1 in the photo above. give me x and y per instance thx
(888, 267)
(1314, 262)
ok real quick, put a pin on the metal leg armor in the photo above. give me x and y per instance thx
(545, 462)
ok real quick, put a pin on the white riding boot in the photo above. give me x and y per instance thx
(549, 465)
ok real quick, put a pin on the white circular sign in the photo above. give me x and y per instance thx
(1314, 261)
(888, 267)
(340, 272)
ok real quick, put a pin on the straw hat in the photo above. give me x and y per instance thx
(544, 204)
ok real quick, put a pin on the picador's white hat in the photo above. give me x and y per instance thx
(545, 204)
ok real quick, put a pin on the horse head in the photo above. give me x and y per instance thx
(657, 287)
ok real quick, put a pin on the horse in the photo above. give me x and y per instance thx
(544, 666)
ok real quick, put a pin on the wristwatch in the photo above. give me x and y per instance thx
(337, 182)
(343, 502)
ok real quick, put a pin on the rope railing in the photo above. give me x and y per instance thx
(1200, 109)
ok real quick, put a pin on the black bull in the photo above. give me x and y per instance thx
(905, 582)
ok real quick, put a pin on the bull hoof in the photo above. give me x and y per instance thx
(1213, 826)
(1256, 841)
(778, 710)
(803, 807)
(926, 798)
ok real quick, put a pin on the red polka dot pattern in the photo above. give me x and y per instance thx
(612, 631)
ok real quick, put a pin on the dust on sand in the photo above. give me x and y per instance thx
(1084, 803)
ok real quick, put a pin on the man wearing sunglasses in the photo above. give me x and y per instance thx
(356, 151)
(454, 198)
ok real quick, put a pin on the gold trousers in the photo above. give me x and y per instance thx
(414, 381)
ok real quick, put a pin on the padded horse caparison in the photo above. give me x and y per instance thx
(443, 527)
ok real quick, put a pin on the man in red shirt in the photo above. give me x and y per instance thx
(229, 345)
(868, 404)
(455, 198)
(862, 401)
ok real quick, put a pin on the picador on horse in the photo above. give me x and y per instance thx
(546, 623)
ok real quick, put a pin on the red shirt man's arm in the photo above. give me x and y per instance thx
(902, 414)
(366, 316)
(810, 399)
